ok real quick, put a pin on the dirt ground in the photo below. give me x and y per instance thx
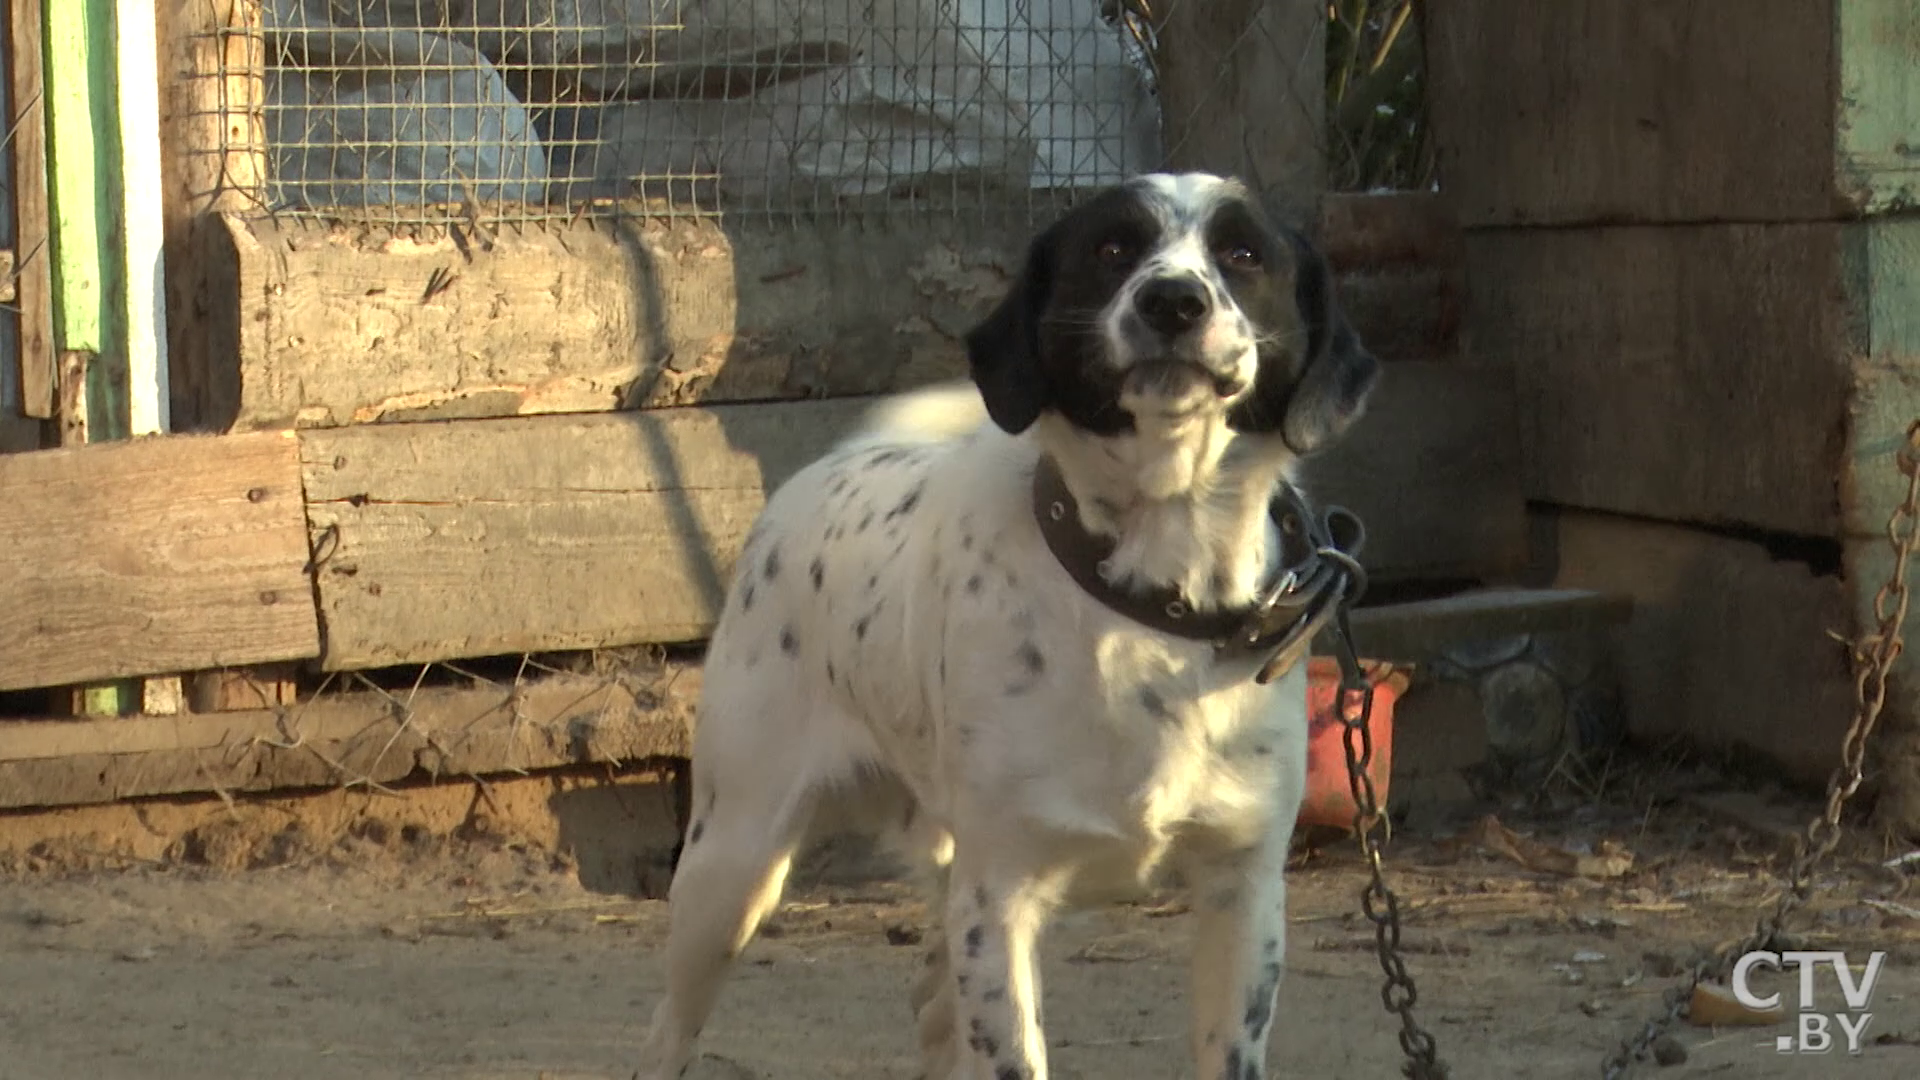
(400, 937)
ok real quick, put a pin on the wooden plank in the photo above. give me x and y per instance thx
(32, 215)
(1728, 646)
(153, 556)
(1421, 629)
(593, 317)
(1434, 470)
(1262, 63)
(1597, 111)
(1389, 229)
(502, 536)
(352, 738)
(212, 62)
(1879, 97)
(1688, 373)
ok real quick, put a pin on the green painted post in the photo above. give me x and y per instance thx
(83, 151)
(84, 182)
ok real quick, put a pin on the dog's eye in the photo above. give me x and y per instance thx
(1241, 257)
(1115, 251)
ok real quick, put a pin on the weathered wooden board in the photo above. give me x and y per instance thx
(340, 327)
(1728, 646)
(353, 738)
(1739, 374)
(1433, 468)
(487, 537)
(474, 538)
(1419, 630)
(1601, 111)
(152, 556)
(336, 326)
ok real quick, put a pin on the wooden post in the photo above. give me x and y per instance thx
(140, 207)
(27, 119)
(84, 176)
(213, 161)
(1243, 91)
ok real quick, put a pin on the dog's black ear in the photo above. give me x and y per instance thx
(1339, 372)
(1003, 351)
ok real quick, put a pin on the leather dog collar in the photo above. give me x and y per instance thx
(1318, 570)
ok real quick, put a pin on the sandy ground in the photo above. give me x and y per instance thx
(404, 956)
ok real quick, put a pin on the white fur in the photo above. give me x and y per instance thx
(1051, 750)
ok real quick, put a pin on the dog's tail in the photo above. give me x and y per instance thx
(943, 411)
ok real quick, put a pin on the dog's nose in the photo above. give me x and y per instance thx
(1173, 305)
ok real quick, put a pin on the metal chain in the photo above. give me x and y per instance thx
(1377, 899)
(1873, 655)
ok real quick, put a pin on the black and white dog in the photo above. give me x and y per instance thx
(939, 609)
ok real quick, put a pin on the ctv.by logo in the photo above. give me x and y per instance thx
(1815, 1035)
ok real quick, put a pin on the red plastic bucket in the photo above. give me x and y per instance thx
(1329, 798)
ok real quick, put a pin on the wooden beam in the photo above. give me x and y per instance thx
(1420, 630)
(592, 317)
(357, 738)
(1598, 111)
(150, 557)
(486, 537)
(1752, 375)
(32, 216)
(212, 68)
(1243, 92)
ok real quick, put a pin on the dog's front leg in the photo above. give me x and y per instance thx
(1240, 945)
(992, 936)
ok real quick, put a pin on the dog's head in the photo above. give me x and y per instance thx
(1170, 299)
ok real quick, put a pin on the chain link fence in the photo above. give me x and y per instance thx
(377, 110)
(393, 111)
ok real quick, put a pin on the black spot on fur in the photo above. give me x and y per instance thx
(865, 521)
(860, 627)
(975, 935)
(994, 995)
(788, 643)
(980, 1041)
(973, 584)
(966, 541)
(1155, 705)
(746, 597)
(961, 981)
(980, 897)
(1234, 1058)
(818, 571)
(1262, 750)
(694, 834)
(772, 567)
(907, 502)
(1260, 1001)
(832, 676)
(1030, 658)
(1270, 948)
(1008, 1072)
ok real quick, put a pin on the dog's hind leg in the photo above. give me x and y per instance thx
(932, 997)
(739, 848)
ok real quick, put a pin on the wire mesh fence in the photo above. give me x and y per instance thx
(379, 109)
(395, 111)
